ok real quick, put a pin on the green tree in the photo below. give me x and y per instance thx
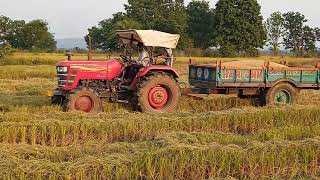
(317, 30)
(104, 35)
(5, 28)
(201, 24)
(293, 35)
(9, 29)
(164, 15)
(34, 35)
(298, 37)
(15, 32)
(144, 11)
(21, 35)
(239, 27)
(309, 40)
(274, 28)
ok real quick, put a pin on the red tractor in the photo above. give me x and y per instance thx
(147, 85)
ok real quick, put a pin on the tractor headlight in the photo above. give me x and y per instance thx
(199, 73)
(206, 74)
(62, 69)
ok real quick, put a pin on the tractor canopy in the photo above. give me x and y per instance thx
(149, 38)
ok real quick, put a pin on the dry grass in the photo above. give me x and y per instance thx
(219, 137)
(44, 58)
(23, 72)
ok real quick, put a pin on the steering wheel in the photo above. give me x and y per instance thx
(124, 58)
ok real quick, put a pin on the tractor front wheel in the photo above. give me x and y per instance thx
(158, 93)
(84, 100)
(57, 100)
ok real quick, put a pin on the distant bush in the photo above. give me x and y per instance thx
(5, 50)
(211, 53)
(195, 52)
(31, 59)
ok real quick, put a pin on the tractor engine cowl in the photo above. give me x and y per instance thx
(70, 73)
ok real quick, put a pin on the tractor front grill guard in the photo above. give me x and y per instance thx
(62, 76)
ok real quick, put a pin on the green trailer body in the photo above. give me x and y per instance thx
(206, 76)
(219, 79)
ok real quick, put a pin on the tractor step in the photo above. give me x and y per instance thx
(122, 101)
(125, 88)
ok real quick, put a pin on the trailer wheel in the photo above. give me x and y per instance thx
(84, 100)
(283, 93)
(158, 93)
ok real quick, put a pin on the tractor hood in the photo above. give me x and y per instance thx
(86, 70)
(85, 63)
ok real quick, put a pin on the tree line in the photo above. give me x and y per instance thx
(290, 30)
(233, 27)
(19, 34)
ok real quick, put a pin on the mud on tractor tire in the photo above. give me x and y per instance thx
(158, 93)
(283, 93)
(85, 100)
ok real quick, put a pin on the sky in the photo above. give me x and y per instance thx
(72, 18)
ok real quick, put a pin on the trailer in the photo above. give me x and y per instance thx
(280, 84)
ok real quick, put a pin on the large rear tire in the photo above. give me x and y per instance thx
(84, 100)
(158, 93)
(283, 93)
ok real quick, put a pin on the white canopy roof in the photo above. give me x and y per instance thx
(149, 38)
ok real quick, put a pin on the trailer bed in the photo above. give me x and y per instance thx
(219, 76)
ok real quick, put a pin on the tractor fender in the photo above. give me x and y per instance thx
(161, 68)
(289, 81)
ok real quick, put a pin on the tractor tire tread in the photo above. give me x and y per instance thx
(137, 103)
(67, 104)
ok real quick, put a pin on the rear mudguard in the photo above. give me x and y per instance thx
(159, 68)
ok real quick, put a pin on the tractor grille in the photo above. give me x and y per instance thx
(62, 78)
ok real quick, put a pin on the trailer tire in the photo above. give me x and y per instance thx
(284, 93)
(84, 100)
(158, 93)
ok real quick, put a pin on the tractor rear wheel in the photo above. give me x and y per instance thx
(84, 100)
(283, 93)
(158, 93)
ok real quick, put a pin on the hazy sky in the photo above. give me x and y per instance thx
(72, 18)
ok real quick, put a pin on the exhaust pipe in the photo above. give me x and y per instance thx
(90, 48)
(69, 54)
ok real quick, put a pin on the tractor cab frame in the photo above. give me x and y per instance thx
(148, 41)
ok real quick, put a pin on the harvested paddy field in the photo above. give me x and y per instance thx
(218, 137)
